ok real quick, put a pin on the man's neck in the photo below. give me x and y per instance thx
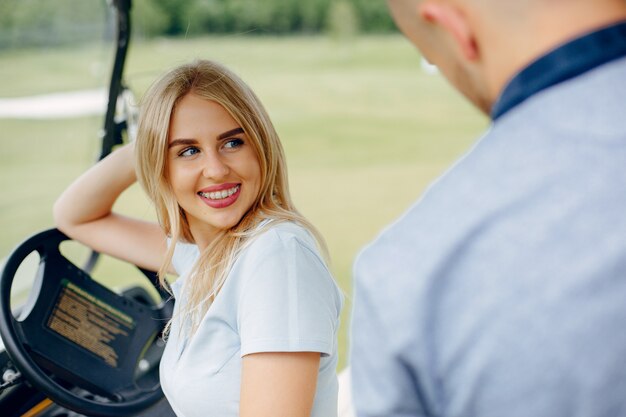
(543, 33)
(563, 63)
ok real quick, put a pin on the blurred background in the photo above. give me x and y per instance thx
(366, 125)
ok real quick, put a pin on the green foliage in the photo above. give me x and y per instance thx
(253, 16)
(149, 19)
(175, 11)
(45, 22)
(312, 14)
(342, 21)
(374, 15)
(37, 22)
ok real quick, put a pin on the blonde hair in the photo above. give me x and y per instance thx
(211, 81)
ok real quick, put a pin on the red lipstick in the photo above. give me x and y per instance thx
(220, 196)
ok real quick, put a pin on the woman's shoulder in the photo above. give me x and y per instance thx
(271, 235)
(277, 244)
(283, 256)
(274, 235)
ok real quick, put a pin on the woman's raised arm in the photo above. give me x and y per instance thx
(83, 212)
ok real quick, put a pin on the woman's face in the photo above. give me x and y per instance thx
(212, 167)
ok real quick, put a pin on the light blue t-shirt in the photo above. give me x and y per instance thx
(278, 297)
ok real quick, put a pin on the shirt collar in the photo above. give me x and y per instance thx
(567, 61)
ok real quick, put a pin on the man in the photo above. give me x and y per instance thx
(502, 292)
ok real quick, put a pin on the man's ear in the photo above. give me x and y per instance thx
(451, 19)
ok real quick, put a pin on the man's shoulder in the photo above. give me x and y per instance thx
(531, 176)
(586, 103)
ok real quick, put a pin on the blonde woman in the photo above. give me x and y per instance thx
(255, 324)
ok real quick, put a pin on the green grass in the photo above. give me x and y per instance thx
(364, 129)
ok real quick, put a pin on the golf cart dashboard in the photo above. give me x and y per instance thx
(104, 339)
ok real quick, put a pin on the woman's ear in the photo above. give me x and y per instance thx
(453, 21)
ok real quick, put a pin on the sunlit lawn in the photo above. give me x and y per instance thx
(364, 128)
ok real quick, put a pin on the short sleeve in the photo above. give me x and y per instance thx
(289, 301)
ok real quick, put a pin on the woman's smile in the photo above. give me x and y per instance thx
(220, 196)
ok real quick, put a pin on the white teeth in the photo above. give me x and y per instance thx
(218, 195)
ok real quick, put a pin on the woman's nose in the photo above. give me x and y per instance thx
(214, 167)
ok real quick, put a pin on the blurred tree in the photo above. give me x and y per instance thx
(39, 22)
(342, 21)
(28, 22)
(374, 15)
(149, 19)
(313, 14)
(175, 11)
(208, 16)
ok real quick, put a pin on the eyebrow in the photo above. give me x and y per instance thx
(227, 134)
(230, 133)
(177, 142)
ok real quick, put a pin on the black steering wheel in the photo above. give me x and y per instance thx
(75, 333)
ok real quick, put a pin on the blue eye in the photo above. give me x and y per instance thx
(190, 151)
(233, 143)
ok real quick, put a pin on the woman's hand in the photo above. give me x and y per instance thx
(278, 384)
(84, 213)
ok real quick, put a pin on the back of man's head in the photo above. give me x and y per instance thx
(480, 44)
